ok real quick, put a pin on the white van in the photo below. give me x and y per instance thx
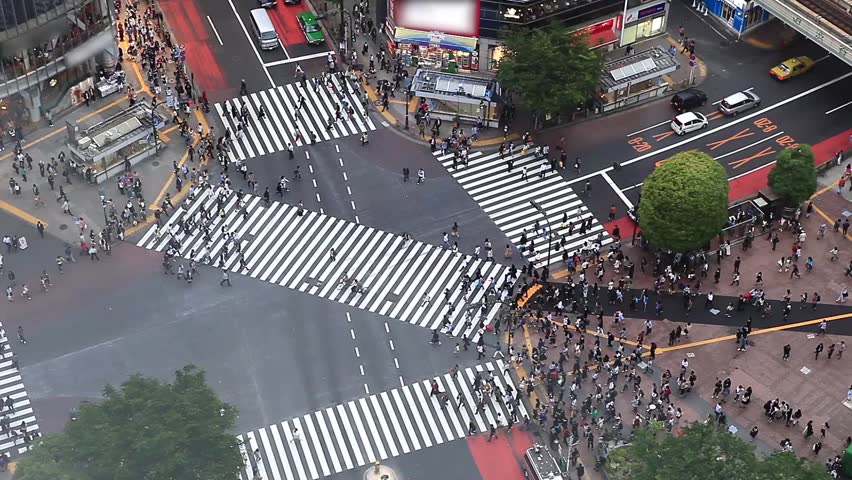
(263, 29)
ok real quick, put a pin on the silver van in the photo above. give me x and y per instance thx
(739, 102)
(263, 29)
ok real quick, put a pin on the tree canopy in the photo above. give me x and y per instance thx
(147, 429)
(704, 452)
(684, 202)
(552, 69)
(794, 176)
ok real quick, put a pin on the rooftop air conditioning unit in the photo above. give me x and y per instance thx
(83, 143)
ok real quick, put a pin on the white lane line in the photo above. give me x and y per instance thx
(618, 191)
(649, 128)
(214, 30)
(822, 58)
(749, 146)
(251, 42)
(283, 48)
(838, 108)
(296, 59)
(744, 118)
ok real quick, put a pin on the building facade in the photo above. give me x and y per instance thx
(738, 16)
(432, 37)
(48, 49)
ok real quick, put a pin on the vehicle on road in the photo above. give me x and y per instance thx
(792, 67)
(688, 99)
(310, 26)
(739, 102)
(263, 29)
(689, 122)
(267, 3)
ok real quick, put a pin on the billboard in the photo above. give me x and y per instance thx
(455, 17)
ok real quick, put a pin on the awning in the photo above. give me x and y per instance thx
(438, 39)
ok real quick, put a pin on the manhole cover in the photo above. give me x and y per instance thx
(63, 226)
(155, 163)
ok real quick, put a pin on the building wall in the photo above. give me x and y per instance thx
(498, 16)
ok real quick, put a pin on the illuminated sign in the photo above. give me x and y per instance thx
(511, 13)
(653, 10)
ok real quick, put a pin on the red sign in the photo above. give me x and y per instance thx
(603, 26)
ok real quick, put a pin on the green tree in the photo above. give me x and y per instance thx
(684, 202)
(147, 429)
(551, 69)
(703, 452)
(794, 176)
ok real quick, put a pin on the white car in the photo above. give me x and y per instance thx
(689, 122)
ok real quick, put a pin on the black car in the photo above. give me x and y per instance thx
(688, 99)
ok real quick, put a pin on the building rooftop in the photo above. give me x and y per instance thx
(641, 66)
(448, 84)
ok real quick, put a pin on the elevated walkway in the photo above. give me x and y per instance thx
(826, 22)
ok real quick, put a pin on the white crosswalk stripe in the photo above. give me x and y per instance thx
(505, 197)
(383, 427)
(285, 121)
(21, 412)
(291, 250)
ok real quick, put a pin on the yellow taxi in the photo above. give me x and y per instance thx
(792, 67)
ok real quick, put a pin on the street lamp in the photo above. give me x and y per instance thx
(538, 208)
(154, 124)
(407, 101)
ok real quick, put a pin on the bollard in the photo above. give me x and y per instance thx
(376, 466)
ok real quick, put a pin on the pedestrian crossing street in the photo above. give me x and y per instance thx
(506, 197)
(378, 427)
(284, 120)
(294, 251)
(12, 386)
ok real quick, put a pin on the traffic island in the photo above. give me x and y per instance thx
(380, 472)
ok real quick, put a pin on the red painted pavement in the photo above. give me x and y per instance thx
(498, 459)
(625, 227)
(284, 19)
(189, 28)
(757, 180)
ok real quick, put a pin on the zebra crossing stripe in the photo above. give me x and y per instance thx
(292, 250)
(12, 387)
(505, 197)
(377, 427)
(285, 122)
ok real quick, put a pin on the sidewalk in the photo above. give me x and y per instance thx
(46, 142)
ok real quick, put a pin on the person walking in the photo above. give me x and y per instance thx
(786, 355)
(243, 89)
(421, 176)
(817, 351)
(226, 280)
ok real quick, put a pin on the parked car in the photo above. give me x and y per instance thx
(689, 122)
(688, 99)
(739, 102)
(792, 67)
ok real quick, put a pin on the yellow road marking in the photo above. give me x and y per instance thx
(528, 295)
(762, 331)
(829, 219)
(157, 201)
(20, 213)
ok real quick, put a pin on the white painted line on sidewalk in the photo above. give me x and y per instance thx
(297, 59)
(251, 42)
(838, 108)
(703, 134)
(618, 191)
(214, 30)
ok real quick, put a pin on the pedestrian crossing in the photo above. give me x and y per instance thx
(381, 426)
(505, 196)
(283, 244)
(20, 415)
(285, 122)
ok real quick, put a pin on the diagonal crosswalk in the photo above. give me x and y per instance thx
(20, 416)
(505, 196)
(410, 281)
(381, 426)
(286, 122)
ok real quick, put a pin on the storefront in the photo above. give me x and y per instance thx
(644, 21)
(435, 50)
(738, 15)
(601, 34)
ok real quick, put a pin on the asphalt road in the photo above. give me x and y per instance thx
(273, 353)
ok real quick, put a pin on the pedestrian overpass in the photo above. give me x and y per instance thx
(826, 22)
